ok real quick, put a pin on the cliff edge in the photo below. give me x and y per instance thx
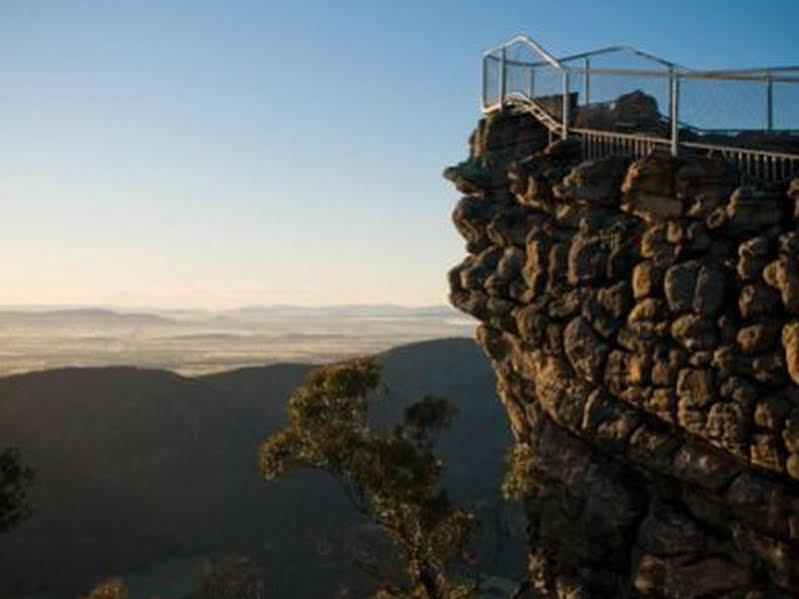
(643, 321)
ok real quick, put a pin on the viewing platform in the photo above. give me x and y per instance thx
(622, 101)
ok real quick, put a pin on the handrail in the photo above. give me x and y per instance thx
(763, 70)
(730, 75)
(558, 62)
(623, 48)
(631, 136)
(526, 39)
(759, 75)
(560, 122)
(750, 151)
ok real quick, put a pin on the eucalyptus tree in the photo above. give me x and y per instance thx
(392, 475)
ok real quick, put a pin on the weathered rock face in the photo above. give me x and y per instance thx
(643, 321)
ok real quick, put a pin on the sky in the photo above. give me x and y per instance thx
(213, 154)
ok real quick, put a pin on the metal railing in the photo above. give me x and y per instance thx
(619, 100)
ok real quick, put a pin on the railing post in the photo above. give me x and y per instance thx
(769, 102)
(587, 81)
(669, 84)
(502, 78)
(565, 112)
(675, 112)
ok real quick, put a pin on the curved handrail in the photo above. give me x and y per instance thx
(558, 62)
(626, 48)
(526, 39)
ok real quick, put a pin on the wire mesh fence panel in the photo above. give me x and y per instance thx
(623, 103)
(518, 80)
(604, 88)
(547, 85)
(785, 101)
(520, 59)
(617, 58)
(491, 75)
(723, 105)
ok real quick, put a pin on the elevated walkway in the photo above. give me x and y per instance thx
(622, 101)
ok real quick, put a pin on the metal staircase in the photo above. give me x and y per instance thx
(555, 126)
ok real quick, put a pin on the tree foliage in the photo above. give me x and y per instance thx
(518, 480)
(15, 479)
(113, 588)
(233, 577)
(392, 476)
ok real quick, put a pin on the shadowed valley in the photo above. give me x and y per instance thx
(136, 467)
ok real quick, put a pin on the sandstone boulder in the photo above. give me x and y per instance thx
(587, 260)
(751, 209)
(615, 299)
(531, 324)
(471, 217)
(728, 427)
(536, 264)
(511, 226)
(790, 341)
(793, 193)
(564, 150)
(680, 284)
(480, 268)
(707, 178)
(783, 275)
(650, 309)
(695, 387)
(694, 286)
(594, 182)
(709, 291)
(792, 468)
(770, 412)
(636, 111)
(655, 244)
(647, 279)
(510, 264)
(753, 257)
(470, 178)
(585, 349)
(759, 338)
(764, 452)
(648, 189)
(757, 300)
(703, 204)
(790, 434)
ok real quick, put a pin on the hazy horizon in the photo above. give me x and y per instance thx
(128, 308)
(197, 342)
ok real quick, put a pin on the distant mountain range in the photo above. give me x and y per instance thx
(95, 316)
(246, 312)
(201, 342)
(135, 467)
(355, 310)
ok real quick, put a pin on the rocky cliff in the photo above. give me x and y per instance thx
(643, 320)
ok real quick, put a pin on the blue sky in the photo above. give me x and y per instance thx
(214, 154)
